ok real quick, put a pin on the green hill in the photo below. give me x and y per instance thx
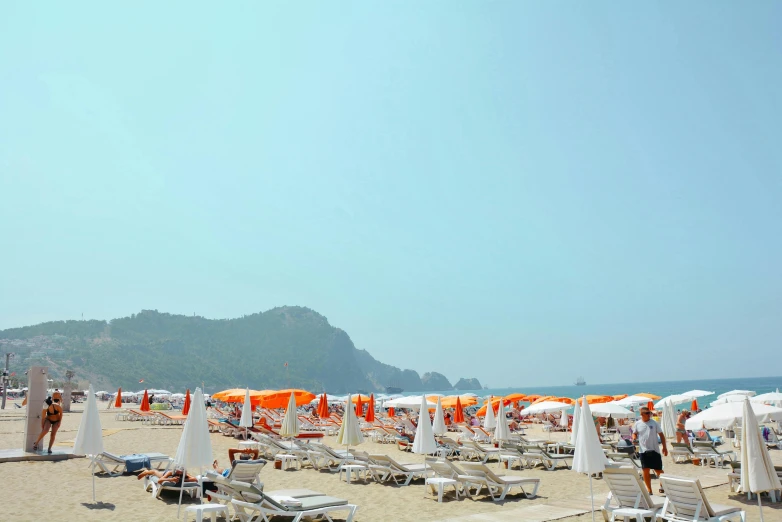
(176, 351)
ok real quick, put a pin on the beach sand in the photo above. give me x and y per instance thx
(55, 491)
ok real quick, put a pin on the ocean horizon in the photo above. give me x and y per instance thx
(662, 388)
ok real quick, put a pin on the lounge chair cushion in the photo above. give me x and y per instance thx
(297, 493)
(319, 502)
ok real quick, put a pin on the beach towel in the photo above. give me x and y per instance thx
(136, 462)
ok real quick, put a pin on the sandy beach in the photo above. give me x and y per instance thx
(62, 490)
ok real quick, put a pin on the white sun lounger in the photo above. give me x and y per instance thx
(686, 502)
(258, 505)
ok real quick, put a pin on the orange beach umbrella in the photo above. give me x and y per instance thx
(464, 400)
(619, 397)
(118, 400)
(186, 405)
(649, 396)
(359, 398)
(280, 398)
(359, 407)
(694, 405)
(458, 415)
(515, 397)
(323, 407)
(221, 396)
(145, 402)
(391, 411)
(370, 416)
(596, 399)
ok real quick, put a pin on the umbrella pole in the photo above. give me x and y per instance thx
(591, 497)
(760, 506)
(182, 489)
(93, 478)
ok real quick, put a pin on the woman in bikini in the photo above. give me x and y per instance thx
(681, 433)
(51, 417)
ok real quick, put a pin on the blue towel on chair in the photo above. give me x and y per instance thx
(136, 462)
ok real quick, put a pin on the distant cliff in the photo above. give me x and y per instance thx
(468, 384)
(286, 347)
(433, 381)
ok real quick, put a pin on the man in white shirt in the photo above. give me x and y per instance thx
(646, 431)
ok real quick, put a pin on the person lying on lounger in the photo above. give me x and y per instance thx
(172, 476)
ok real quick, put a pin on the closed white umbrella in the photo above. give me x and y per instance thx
(588, 456)
(439, 419)
(489, 421)
(195, 447)
(610, 408)
(350, 430)
(669, 422)
(424, 442)
(502, 432)
(576, 422)
(89, 439)
(246, 421)
(725, 416)
(546, 407)
(757, 471)
(290, 423)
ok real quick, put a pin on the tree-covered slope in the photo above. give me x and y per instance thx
(175, 351)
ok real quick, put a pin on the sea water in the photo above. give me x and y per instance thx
(718, 386)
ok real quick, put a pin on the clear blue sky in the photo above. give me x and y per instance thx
(504, 190)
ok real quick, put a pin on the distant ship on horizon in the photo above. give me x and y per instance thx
(581, 382)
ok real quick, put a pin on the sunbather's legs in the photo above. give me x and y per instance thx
(55, 427)
(44, 431)
(153, 473)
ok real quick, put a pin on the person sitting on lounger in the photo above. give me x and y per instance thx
(244, 454)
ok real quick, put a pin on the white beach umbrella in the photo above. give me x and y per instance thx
(669, 422)
(290, 423)
(563, 419)
(672, 400)
(195, 446)
(757, 471)
(350, 430)
(412, 402)
(546, 407)
(502, 432)
(613, 409)
(424, 442)
(632, 400)
(697, 393)
(89, 439)
(737, 392)
(772, 398)
(736, 397)
(246, 421)
(726, 416)
(588, 456)
(576, 422)
(489, 421)
(439, 419)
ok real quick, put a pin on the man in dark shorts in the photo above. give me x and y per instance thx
(646, 431)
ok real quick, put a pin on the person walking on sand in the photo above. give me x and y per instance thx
(646, 431)
(50, 418)
(681, 432)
